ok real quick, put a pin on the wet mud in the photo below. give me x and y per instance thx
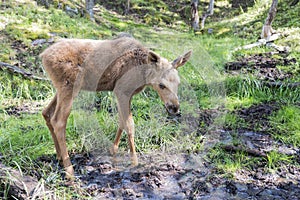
(182, 176)
(193, 175)
(24, 108)
(263, 66)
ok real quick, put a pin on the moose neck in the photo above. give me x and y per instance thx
(135, 79)
(130, 62)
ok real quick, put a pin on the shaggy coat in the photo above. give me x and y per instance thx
(122, 65)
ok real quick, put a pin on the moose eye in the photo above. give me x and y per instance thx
(162, 86)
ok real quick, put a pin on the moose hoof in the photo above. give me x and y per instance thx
(69, 173)
(134, 160)
(113, 150)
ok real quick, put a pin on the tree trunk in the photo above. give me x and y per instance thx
(127, 7)
(267, 30)
(89, 5)
(209, 12)
(195, 15)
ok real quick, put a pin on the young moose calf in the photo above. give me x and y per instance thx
(121, 65)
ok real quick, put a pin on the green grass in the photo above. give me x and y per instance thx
(24, 137)
(230, 163)
(248, 87)
(285, 125)
(16, 87)
(275, 160)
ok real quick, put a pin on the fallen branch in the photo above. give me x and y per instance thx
(252, 152)
(23, 187)
(15, 69)
(261, 42)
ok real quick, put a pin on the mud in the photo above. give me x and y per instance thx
(179, 176)
(256, 116)
(192, 175)
(263, 66)
(24, 108)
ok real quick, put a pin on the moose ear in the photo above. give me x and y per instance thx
(153, 57)
(181, 60)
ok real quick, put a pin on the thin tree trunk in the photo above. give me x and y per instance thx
(209, 12)
(267, 30)
(195, 15)
(127, 7)
(89, 5)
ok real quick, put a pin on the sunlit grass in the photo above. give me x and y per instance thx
(230, 162)
(275, 160)
(286, 126)
(248, 87)
(24, 136)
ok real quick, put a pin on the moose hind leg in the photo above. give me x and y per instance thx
(47, 114)
(59, 122)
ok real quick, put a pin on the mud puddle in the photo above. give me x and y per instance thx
(263, 66)
(187, 176)
(180, 175)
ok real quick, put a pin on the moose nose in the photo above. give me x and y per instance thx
(172, 109)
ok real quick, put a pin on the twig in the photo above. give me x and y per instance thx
(252, 152)
(15, 69)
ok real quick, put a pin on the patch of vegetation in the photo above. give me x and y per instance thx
(248, 87)
(276, 160)
(231, 162)
(285, 126)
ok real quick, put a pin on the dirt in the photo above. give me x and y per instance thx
(24, 108)
(256, 116)
(263, 66)
(180, 175)
(183, 176)
(28, 56)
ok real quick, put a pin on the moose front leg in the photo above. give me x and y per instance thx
(130, 133)
(125, 123)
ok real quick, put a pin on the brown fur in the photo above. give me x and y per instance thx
(122, 65)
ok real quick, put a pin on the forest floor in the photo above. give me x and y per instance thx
(193, 175)
(252, 154)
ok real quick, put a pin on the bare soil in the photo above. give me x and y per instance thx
(263, 66)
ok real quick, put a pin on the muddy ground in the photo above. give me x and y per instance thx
(263, 66)
(190, 176)
(193, 175)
